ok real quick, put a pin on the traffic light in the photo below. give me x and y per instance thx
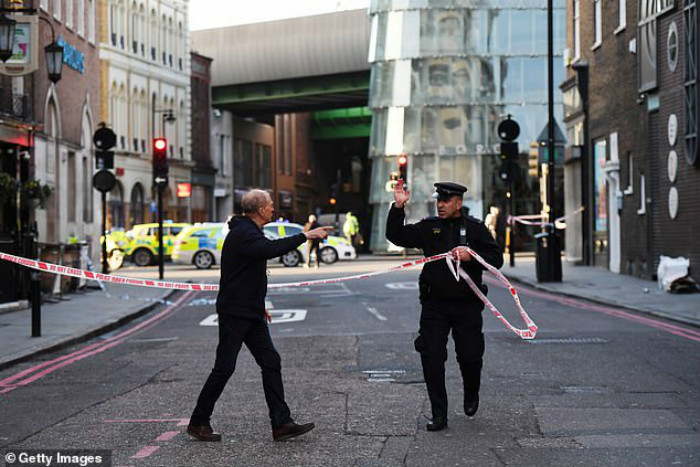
(533, 163)
(403, 167)
(509, 170)
(160, 161)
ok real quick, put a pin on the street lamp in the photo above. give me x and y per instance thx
(54, 61)
(53, 51)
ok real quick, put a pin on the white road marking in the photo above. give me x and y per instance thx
(373, 311)
(402, 285)
(278, 317)
(382, 376)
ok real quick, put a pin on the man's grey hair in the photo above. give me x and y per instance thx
(254, 200)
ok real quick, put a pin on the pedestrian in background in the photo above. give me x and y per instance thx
(447, 305)
(240, 306)
(351, 229)
(313, 245)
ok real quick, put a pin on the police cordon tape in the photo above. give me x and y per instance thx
(528, 333)
(559, 222)
(531, 330)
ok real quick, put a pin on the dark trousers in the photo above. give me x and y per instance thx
(464, 319)
(254, 333)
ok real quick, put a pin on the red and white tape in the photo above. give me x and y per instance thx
(89, 275)
(531, 330)
(559, 222)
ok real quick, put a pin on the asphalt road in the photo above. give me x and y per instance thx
(597, 387)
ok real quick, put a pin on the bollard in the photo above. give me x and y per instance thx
(35, 298)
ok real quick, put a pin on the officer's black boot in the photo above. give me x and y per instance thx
(471, 375)
(437, 423)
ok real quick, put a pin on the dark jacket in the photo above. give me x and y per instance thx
(243, 283)
(434, 236)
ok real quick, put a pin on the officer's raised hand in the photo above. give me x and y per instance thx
(401, 196)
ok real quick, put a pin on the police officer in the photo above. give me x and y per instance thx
(447, 304)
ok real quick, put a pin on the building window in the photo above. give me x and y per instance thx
(69, 14)
(690, 73)
(600, 149)
(57, 9)
(598, 22)
(577, 29)
(672, 46)
(621, 15)
(80, 25)
(647, 45)
(72, 186)
(137, 206)
(263, 166)
(91, 21)
(87, 190)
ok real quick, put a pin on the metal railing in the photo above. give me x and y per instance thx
(17, 106)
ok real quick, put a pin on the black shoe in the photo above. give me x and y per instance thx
(437, 424)
(203, 433)
(471, 406)
(290, 430)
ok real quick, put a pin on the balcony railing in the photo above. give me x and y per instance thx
(15, 105)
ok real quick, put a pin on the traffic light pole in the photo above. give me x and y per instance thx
(105, 265)
(160, 230)
(553, 242)
(511, 212)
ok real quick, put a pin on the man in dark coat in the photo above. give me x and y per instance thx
(242, 317)
(447, 305)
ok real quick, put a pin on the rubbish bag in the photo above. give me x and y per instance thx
(673, 275)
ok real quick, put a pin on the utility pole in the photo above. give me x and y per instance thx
(554, 244)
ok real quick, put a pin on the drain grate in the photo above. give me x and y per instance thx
(569, 340)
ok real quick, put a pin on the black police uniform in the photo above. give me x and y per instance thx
(448, 304)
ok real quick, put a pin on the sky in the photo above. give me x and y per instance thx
(206, 14)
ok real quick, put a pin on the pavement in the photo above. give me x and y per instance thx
(605, 287)
(80, 316)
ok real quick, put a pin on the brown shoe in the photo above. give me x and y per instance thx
(290, 430)
(203, 433)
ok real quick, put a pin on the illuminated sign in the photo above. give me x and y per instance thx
(24, 59)
(72, 56)
(184, 190)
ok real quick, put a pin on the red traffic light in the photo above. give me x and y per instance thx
(160, 144)
(403, 160)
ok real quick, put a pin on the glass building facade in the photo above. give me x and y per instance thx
(444, 74)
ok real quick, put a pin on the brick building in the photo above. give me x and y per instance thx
(203, 172)
(627, 112)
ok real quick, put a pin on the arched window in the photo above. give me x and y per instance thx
(120, 123)
(113, 22)
(153, 35)
(115, 207)
(134, 28)
(143, 118)
(88, 161)
(135, 122)
(137, 206)
(164, 37)
(142, 30)
(152, 124)
(181, 131)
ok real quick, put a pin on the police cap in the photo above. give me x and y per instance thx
(446, 190)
